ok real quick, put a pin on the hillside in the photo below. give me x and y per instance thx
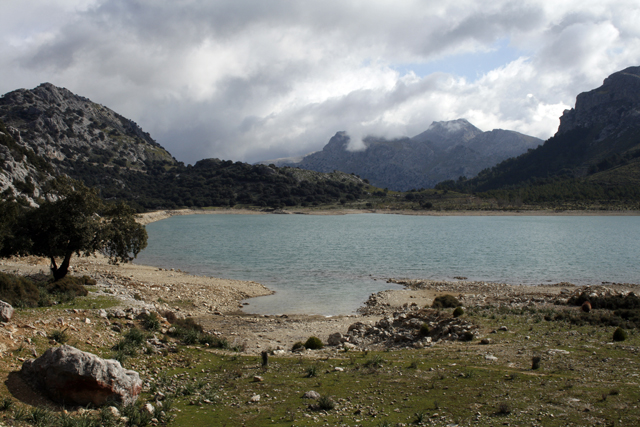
(597, 147)
(49, 131)
(446, 150)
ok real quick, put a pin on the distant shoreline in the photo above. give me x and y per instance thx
(149, 217)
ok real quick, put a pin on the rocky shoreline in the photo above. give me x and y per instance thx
(386, 318)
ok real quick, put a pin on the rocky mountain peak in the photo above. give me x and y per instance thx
(614, 104)
(446, 134)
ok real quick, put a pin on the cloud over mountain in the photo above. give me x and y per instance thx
(248, 80)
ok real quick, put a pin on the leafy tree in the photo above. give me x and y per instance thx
(74, 220)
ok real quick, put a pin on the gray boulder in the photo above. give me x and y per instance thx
(73, 377)
(6, 311)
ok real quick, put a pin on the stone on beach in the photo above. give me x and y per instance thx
(6, 311)
(71, 376)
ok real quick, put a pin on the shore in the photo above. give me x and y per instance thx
(217, 303)
(149, 217)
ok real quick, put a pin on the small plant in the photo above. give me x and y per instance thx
(312, 371)
(6, 404)
(504, 409)
(420, 417)
(151, 322)
(375, 362)
(535, 362)
(424, 330)
(413, 365)
(445, 301)
(59, 336)
(313, 343)
(619, 335)
(325, 403)
(297, 346)
(458, 312)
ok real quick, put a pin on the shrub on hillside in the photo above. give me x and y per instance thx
(619, 335)
(458, 312)
(313, 343)
(18, 291)
(445, 301)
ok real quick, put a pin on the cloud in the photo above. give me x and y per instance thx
(252, 80)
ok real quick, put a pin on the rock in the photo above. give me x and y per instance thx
(6, 311)
(586, 306)
(490, 357)
(258, 379)
(114, 411)
(503, 328)
(255, 398)
(485, 341)
(335, 339)
(311, 395)
(338, 369)
(149, 409)
(71, 376)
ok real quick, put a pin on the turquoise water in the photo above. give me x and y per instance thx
(330, 264)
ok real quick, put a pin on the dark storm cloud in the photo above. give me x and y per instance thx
(249, 80)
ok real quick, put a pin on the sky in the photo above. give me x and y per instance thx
(255, 80)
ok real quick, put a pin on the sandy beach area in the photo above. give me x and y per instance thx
(217, 303)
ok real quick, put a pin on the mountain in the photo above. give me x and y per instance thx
(597, 142)
(49, 131)
(446, 150)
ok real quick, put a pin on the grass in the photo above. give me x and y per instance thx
(204, 387)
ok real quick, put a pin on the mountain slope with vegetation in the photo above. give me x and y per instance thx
(595, 155)
(446, 150)
(49, 131)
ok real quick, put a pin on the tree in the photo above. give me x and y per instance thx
(74, 220)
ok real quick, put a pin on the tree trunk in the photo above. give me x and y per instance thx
(60, 272)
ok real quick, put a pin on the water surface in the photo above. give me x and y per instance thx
(330, 264)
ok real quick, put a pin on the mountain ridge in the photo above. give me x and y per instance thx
(446, 150)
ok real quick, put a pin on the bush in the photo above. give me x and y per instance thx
(297, 346)
(467, 336)
(535, 362)
(445, 301)
(69, 285)
(458, 312)
(18, 291)
(58, 336)
(313, 343)
(151, 322)
(619, 335)
(424, 330)
(325, 403)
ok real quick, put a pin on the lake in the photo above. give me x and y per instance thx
(330, 264)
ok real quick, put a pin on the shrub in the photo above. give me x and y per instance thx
(312, 371)
(445, 301)
(424, 330)
(313, 343)
(504, 409)
(58, 336)
(467, 336)
(297, 346)
(458, 312)
(619, 335)
(151, 322)
(535, 362)
(325, 403)
(70, 285)
(18, 291)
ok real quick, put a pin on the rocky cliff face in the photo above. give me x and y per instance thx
(67, 130)
(613, 106)
(447, 150)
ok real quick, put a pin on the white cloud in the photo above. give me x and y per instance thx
(249, 80)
